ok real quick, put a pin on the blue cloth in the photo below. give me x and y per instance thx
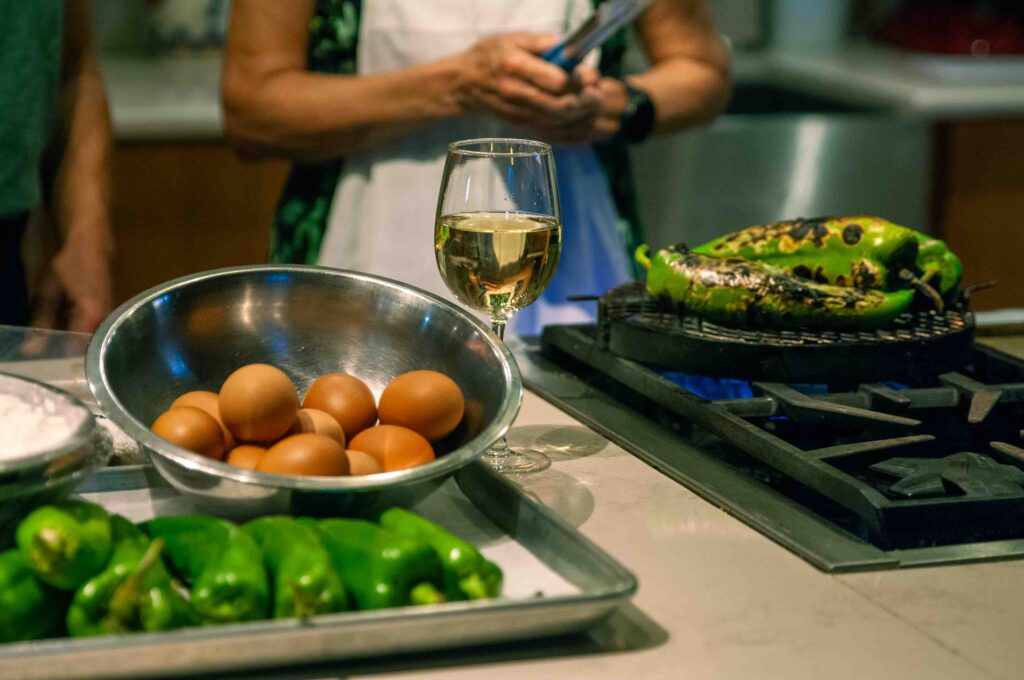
(594, 256)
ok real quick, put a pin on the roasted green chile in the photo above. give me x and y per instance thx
(134, 592)
(379, 567)
(856, 252)
(304, 580)
(938, 266)
(66, 543)
(222, 565)
(735, 291)
(467, 573)
(29, 609)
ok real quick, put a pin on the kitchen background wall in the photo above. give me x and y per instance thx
(840, 106)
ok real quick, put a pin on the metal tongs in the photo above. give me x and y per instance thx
(602, 24)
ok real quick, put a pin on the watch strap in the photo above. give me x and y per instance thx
(637, 121)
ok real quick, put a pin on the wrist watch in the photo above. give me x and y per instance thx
(637, 120)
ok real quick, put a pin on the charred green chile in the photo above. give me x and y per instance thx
(467, 573)
(66, 543)
(856, 252)
(736, 291)
(381, 568)
(222, 564)
(29, 609)
(304, 580)
(134, 592)
(938, 266)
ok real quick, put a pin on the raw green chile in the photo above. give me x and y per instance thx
(66, 543)
(222, 565)
(29, 609)
(379, 567)
(303, 577)
(133, 593)
(467, 573)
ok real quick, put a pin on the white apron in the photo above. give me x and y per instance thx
(382, 216)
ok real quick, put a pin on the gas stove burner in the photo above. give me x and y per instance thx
(970, 474)
(923, 470)
(632, 325)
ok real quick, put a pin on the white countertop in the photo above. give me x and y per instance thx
(719, 600)
(716, 599)
(179, 97)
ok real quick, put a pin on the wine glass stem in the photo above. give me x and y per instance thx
(499, 449)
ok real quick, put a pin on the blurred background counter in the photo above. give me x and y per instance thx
(826, 118)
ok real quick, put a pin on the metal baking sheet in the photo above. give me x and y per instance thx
(557, 582)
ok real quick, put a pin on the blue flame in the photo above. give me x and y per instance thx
(712, 389)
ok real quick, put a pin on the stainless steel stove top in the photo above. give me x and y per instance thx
(875, 476)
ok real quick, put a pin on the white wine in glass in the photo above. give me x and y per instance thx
(497, 262)
(497, 240)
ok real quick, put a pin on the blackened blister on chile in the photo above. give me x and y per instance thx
(852, 234)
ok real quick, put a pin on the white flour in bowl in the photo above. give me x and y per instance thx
(34, 419)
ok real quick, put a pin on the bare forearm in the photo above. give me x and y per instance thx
(311, 116)
(77, 290)
(81, 192)
(689, 78)
(685, 92)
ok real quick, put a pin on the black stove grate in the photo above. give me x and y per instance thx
(842, 452)
(635, 326)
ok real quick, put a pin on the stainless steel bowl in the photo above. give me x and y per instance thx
(191, 333)
(52, 471)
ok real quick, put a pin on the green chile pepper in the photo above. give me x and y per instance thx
(467, 573)
(735, 291)
(304, 580)
(29, 609)
(379, 567)
(856, 252)
(935, 259)
(222, 564)
(65, 543)
(134, 592)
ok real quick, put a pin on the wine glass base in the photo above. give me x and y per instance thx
(517, 461)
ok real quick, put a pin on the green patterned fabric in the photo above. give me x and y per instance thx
(301, 219)
(30, 49)
(614, 154)
(305, 205)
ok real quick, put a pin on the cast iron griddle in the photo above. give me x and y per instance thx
(633, 326)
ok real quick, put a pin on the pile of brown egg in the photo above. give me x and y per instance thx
(256, 421)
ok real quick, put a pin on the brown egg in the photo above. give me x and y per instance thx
(258, 403)
(427, 402)
(345, 397)
(207, 401)
(192, 429)
(246, 456)
(394, 447)
(305, 454)
(473, 418)
(360, 463)
(312, 420)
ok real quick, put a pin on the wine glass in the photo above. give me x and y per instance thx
(497, 239)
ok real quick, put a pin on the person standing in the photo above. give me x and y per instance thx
(54, 156)
(387, 84)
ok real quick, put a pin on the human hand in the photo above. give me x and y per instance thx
(76, 291)
(613, 104)
(504, 76)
